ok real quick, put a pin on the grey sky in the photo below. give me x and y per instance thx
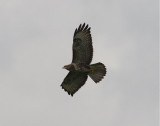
(36, 42)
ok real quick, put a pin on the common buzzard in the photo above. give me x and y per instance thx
(80, 67)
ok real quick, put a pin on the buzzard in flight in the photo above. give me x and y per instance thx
(80, 67)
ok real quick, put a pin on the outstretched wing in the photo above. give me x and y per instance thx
(82, 45)
(73, 82)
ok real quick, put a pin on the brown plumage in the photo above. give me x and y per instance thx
(82, 45)
(80, 67)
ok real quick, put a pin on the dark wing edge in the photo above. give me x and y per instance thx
(83, 34)
(73, 82)
(82, 28)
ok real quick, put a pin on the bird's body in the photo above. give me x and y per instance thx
(80, 67)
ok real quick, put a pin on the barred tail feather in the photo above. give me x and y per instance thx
(98, 71)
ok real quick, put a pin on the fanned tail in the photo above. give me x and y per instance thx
(98, 71)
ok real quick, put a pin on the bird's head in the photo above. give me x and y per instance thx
(69, 67)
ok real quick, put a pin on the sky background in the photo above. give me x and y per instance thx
(36, 42)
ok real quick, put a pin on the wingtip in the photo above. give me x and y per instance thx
(69, 93)
(75, 31)
(79, 28)
(83, 27)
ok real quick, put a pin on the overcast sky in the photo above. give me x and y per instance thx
(36, 42)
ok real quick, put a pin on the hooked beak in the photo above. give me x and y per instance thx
(63, 67)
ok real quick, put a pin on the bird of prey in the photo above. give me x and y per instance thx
(80, 68)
